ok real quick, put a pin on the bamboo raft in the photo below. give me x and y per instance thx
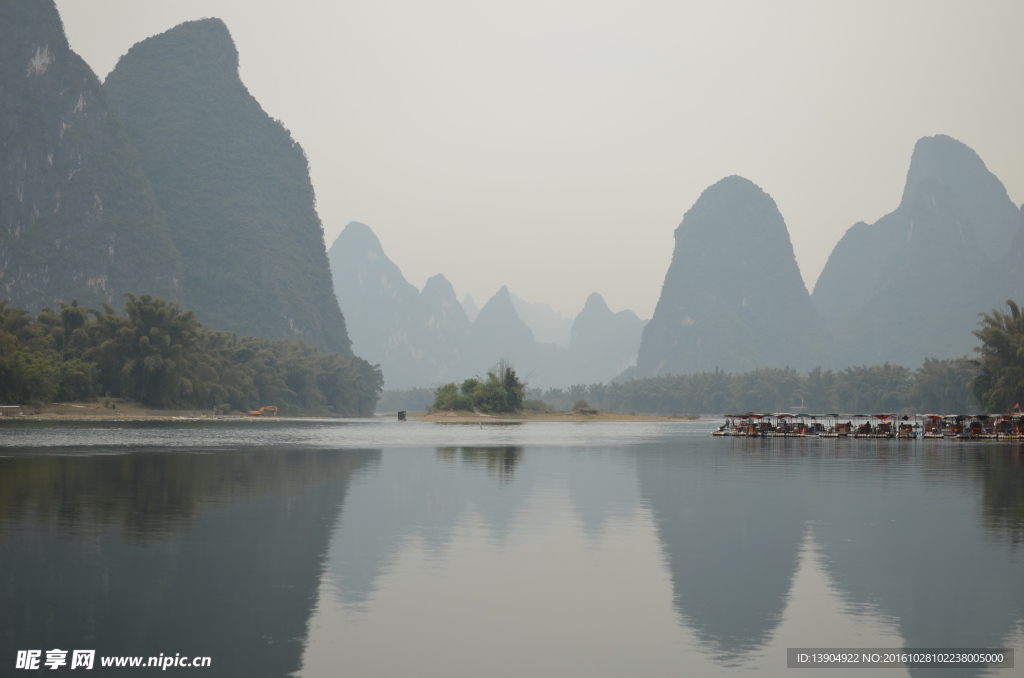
(874, 426)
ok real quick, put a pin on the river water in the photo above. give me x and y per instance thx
(378, 548)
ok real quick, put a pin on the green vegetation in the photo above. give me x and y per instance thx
(937, 386)
(500, 391)
(993, 383)
(162, 356)
(1000, 382)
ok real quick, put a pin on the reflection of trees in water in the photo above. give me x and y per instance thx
(1002, 476)
(500, 461)
(217, 555)
(149, 494)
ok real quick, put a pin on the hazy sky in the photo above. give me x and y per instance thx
(554, 145)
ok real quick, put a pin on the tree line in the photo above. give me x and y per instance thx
(159, 354)
(941, 386)
(994, 382)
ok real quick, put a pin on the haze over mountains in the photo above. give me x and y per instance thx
(912, 284)
(170, 179)
(905, 288)
(426, 338)
(733, 298)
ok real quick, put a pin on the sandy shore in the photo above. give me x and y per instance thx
(134, 412)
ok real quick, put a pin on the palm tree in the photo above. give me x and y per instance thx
(1000, 384)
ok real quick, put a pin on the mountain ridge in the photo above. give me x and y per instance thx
(234, 185)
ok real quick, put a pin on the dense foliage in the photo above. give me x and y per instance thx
(1000, 382)
(499, 391)
(937, 386)
(162, 356)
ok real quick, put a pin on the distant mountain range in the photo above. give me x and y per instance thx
(908, 287)
(170, 179)
(426, 338)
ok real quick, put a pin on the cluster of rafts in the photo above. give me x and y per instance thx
(926, 426)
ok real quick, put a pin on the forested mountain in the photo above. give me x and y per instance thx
(78, 218)
(234, 185)
(910, 285)
(733, 297)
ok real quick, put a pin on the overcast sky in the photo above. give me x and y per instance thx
(554, 145)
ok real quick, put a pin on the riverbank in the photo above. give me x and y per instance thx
(128, 411)
(474, 418)
(97, 411)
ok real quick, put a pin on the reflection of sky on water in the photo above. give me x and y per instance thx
(423, 495)
(757, 548)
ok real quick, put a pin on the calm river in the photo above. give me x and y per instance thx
(378, 548)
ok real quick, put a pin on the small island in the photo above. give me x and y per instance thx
(500, 397)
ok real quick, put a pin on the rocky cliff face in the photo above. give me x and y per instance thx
(911, 285)
(234, 185)
(78, 218)
(733, 297)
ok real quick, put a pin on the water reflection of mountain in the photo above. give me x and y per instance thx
(215, 555)
(731, 536)
(929, 539)
(413, 497)
(1002, 478)
(923, 551)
